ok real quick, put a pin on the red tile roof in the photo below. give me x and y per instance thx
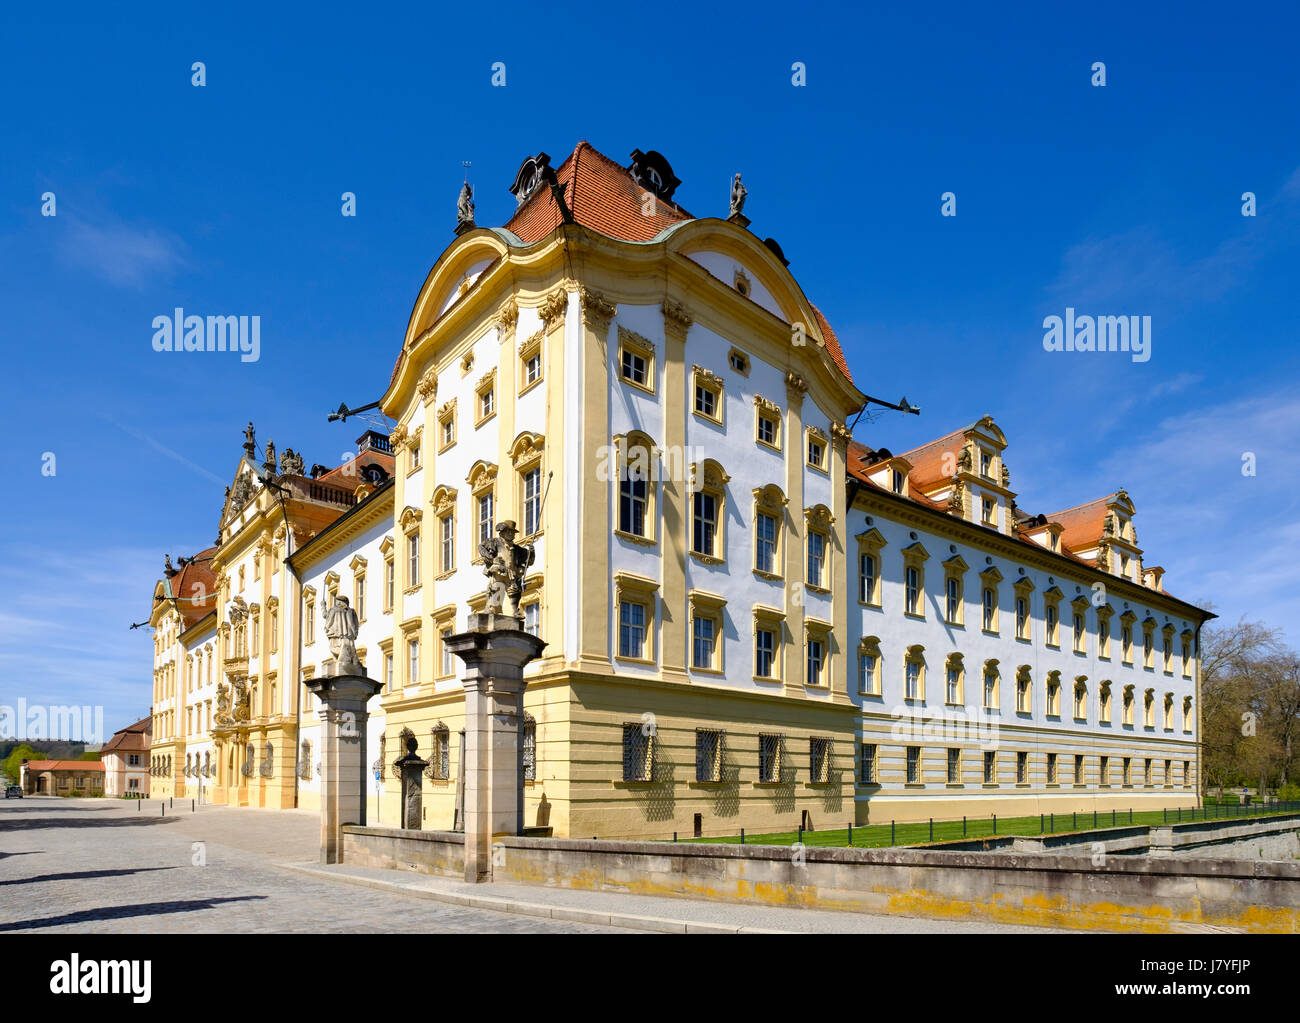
(1083, 524)
(195, 588)
(131, 738)
(65, 765)
(602, 196)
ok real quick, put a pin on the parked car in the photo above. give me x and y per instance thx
(13, 792)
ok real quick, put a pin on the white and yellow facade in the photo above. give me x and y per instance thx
(703, 624)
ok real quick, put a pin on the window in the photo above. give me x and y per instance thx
(413, 559)
(1127, 769)
(867, 764)
(632, 500)
(989, 609)
(990, 767)
(738, 361)
(1126, 644)
(486, 404)
(954, 765)
(1187, 658)
(868, 579)
(412, 662)
(1080, 633)
(1022, 768)
(1147, 646)
(533, 619)
(1080, 701)
(388, 672)
(447, 543)
(1103, 637)
(485, 394)
(765, 527)
(1078, 769)
(390, 583)
(1168, 777)
(1051, 769)
(764, 651)
(1103, 704)
(447, 425)
(1022, 618)
(816, 559)
(819, 759)
(1103, 772)
(448, 658)
(989, 511)
(708, 754)
(1187, 773)
(816, 662)
(638, 753)
(1023, 692)
(912, 680)
(1168, 655)
(530, 361)
(485, 517)
(952, 691)
(704, 523)
(528, 750)
(702, 641)
(1149, 710)
(816, 453)
(415, 452)
(952, 607)
(986, 465)
(635, 368)
(913, 581)
(707, 387)
(359, 595)
(1146, 772)
(913, 765)
(1128, 705)
(706, 402)
(767, 422)
(309, 617)
(897, 480)
(440, 754)
(869, 667)
(532, 502)
(990, 689)
(1053, 694)
(769, 757)
(631, 629)
(1050, 625)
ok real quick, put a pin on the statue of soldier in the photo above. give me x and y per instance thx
(505, 563)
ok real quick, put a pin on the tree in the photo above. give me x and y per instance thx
(11, 768)
(1233, 701)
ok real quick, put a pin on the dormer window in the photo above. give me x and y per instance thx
(986, 465)
(897, 479)
(989, 510)
(1123, 565)
(1054, 542)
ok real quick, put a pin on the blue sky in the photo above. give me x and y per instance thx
(226, 199)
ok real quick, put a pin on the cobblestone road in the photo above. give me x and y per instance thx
(108, 866)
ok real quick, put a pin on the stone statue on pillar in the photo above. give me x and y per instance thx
(505, 563)
(341, 628)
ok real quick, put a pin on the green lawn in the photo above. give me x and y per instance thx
(879, 835)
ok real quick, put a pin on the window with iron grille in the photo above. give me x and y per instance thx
(440, 755)
(528, 751)
(769, 757)
(638, 753)
(708, 754)
(1051, 769)
(819, 758)
(913, 765)
(990, 767)
(954, 765)
(868, 762)
(1022, 768)
(1078, 769)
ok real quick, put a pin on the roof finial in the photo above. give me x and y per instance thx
(465, 204)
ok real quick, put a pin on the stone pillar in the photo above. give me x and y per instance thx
(495, 649)
(343, 717)
(410, 769)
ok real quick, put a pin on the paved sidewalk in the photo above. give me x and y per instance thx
(648, 912)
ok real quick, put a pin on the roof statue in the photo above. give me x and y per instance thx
(465, 209)
(738, 194)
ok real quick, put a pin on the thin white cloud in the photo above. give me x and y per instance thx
(120, 253)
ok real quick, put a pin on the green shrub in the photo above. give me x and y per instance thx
(1289, 793)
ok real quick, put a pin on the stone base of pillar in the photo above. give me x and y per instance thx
(343, 717)
(494, 649)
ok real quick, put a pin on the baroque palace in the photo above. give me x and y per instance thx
(751, 619)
